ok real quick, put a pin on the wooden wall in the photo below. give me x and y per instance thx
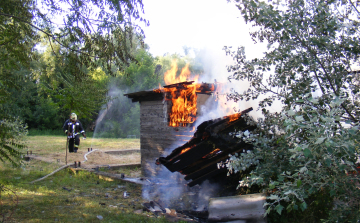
(156, 137)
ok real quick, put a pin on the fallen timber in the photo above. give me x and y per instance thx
(212, 143)
(242, 208)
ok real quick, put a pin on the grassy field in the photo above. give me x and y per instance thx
(53, 149)
(43, 145)
(68, 196)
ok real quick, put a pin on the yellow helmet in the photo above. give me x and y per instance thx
(73, 117)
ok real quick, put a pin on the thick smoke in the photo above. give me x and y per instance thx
(116, 119)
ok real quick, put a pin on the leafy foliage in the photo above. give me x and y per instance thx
(93, 30)
(309, 150)
(313, 155)
(12, 132)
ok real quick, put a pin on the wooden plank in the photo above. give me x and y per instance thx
(206, 176)
(164, 146)
(151, 103)
(163, 127)
(203, 163)
(188, 157)
(165, 135)
(162, 122)
(152, 107)
(152, 115)
(242, 207)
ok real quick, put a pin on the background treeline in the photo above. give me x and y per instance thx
(54, 85)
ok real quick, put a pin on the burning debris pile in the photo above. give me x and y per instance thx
(212, 142)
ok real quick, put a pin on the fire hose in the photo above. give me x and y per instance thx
(63, 167)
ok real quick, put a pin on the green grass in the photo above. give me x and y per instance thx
(43, 145)
(68, 196)
(48, 201)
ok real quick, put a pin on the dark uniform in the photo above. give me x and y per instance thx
(73, 130)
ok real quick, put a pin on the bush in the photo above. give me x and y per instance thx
(303, 156)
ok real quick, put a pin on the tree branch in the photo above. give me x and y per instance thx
(352, 4)
(327, 76)
(48, 34)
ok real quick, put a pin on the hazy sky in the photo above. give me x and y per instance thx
(194, 23)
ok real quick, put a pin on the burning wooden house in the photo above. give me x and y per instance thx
(167, 123)
(167, 116)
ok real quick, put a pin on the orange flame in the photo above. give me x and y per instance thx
(183, 105)
(211, 153)
(184, 150)
(170, 76)
(183, 95)
(234, 117)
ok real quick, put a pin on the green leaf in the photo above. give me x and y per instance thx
(298, 183)
(291, 113)
(299, 118)
(332, 193)
(279, 208)
(320, 140)
(281, 178)
(303, 206)
(303, 169)
(330, 150)
(273, 197)
(328, 162)
(307, 152)
(267, 211)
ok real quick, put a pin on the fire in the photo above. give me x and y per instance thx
(182, 94)
(184, 150)
(170, 76)
(234, 117)
(212, 153)
(183, 105)
(182, 89)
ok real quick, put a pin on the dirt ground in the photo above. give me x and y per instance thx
(94, 158)
(51, 150)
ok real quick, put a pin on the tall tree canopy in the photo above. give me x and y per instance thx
(94, 30)
(306, 153)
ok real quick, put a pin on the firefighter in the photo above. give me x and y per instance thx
(73, 128)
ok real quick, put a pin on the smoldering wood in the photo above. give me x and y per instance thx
(242, 207)
(212, 161)
(211, 144)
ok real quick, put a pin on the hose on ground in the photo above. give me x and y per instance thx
(63, 167)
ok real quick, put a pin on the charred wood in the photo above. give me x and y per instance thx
(212, 142)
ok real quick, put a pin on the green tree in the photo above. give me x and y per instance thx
(308, 151)
(72, 87)
(94, 30)
(16, 43)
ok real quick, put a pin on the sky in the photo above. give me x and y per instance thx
(207, 25)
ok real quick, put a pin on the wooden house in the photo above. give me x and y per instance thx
(157, 137)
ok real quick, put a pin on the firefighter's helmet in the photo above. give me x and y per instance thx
(73, 117)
